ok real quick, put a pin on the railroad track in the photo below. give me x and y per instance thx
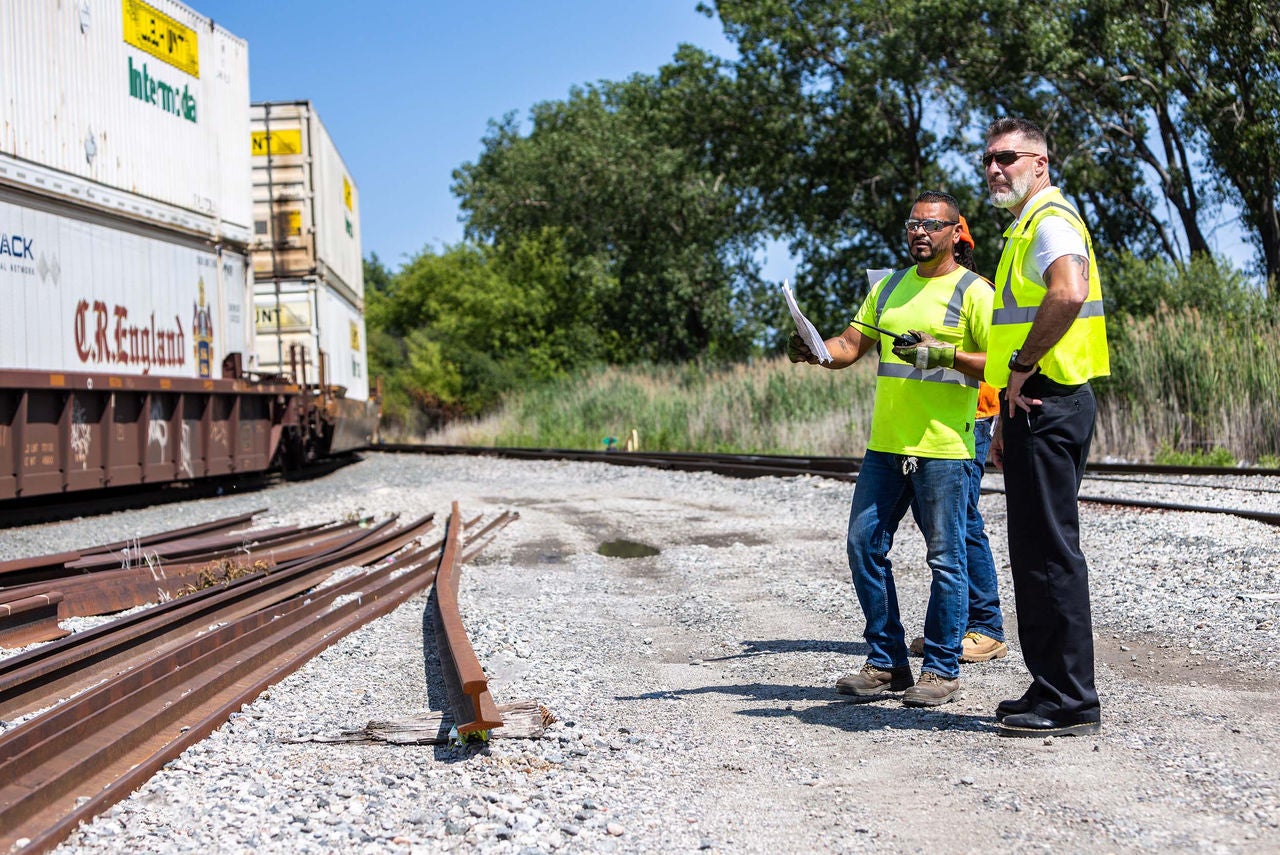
(147, 686)
(1128, 482)
(62, 506)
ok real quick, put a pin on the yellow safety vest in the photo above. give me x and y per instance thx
(926, 412)
(1081, 354)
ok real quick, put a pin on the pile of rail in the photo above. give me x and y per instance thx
(148, 685)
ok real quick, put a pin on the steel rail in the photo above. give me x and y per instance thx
(474, 712)
(814, 464)
(841, 469)
(20, 571)
(84, 755)
(99, 590)
(37, 677)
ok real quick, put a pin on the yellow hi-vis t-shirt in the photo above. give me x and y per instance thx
(927, 412)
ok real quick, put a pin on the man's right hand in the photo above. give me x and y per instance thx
(997, 443)
(798, 351)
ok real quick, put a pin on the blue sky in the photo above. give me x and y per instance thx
(406, 89)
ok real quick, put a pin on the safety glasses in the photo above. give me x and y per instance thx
(929, 225)
(1005, 157)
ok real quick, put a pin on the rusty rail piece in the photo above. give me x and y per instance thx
(103, 591)
(83, 756)
(30, 613)
(79, 758)
(40, 676)
(474, 712)
(40, 568)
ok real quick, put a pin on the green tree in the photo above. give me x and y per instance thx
(454, 330)
(838, 111)
(607, 172)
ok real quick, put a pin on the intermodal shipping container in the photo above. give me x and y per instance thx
(88, 292)
(306, 208)
(139, 108)
(324, 328)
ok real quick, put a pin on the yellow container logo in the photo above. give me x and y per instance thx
(154, 32)
(346, 193)
(276, 143)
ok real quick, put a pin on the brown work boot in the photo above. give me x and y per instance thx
(931, 690)
(981, 648)
(872, 682)
(916, 647)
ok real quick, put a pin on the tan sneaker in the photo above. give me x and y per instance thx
(931, 690)
(916, 647)
(981, 648)
(873, 682)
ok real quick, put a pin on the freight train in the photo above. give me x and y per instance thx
(181, 284)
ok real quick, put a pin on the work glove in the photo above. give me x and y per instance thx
(927, 353)
(798, 351)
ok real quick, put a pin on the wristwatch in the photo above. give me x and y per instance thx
(1015, 365)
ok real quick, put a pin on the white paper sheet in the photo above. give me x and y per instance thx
(875, 274)
(816, 343)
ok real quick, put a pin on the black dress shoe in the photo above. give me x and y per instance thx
(1013, 707)
(1032, 725)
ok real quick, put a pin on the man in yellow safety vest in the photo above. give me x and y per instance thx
(919, 450)
(1048, 340)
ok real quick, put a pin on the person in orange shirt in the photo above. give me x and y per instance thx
(984, 631)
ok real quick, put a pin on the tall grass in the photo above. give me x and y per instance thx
(1178, 385)
(766, 406)
(1184, 381)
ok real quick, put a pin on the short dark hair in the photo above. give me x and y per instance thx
(945, 198)
(1015, 125)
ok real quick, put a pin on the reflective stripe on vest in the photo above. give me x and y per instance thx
(933, 375)
(956, 303)
(896, 277)
(952, 318)
(1020, 315)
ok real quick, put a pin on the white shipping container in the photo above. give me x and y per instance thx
(325, 328)
(138, 107)
(84, 294)
(306, 207)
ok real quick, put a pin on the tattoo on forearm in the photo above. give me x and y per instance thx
(1083, 263)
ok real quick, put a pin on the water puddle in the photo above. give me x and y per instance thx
(626, 549)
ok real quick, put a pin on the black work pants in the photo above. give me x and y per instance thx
(1044, 458)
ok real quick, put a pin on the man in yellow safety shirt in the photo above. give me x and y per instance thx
(984, 630)
(920, 445)
(1048, 340)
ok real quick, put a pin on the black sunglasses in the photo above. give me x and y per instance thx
(1006, 157)
(929, 225)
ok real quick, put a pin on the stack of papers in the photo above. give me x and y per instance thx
(816, 343)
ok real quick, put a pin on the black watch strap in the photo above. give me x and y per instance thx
(1015, 365)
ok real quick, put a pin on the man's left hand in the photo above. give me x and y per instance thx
(928, 352)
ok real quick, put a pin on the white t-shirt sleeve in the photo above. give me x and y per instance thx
(1055, 238)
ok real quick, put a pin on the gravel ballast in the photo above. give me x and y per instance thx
(694, 688)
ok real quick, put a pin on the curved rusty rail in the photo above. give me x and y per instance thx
(474, 712)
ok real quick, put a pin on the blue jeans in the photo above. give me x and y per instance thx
(984, 596)
(885, 489)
